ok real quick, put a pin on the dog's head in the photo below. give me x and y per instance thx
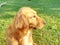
(28, 18)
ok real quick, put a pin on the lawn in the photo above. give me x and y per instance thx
(46, 9)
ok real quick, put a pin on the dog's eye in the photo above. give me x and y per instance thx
(34, 16)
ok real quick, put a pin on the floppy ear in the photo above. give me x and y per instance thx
(25, 21)
(21, 21)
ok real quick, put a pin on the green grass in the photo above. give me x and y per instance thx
(47, 9)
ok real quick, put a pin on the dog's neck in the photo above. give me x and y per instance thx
(25, 36)
(28, 38)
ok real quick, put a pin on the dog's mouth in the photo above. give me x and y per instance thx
(32, 26)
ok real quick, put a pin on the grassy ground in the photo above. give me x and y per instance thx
(47, 9)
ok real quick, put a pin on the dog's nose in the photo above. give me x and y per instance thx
(44, 22)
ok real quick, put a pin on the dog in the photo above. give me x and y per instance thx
(20, 30)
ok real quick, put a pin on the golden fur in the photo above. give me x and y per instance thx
(20, 30)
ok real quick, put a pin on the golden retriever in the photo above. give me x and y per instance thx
(20, 30)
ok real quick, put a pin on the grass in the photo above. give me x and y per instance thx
(48, 10)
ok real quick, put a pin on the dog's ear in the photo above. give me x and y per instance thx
(25, 21)
(21, 21)
(18, 21)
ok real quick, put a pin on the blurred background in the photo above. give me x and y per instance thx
(49, 10)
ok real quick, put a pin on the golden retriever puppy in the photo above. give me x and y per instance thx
(20, 30)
